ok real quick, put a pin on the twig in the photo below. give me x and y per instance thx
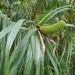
(42, 42)
(55, 45)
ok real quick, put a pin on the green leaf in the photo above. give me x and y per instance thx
(18, 59)
(53, 61)
(71, 25)
(19, 51)
(9, 43)
(33, 47)
(53, 13)
(5, 31)
(28, 62)
(42, 64)
(38, 55)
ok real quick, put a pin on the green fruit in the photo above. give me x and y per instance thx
(50, 29)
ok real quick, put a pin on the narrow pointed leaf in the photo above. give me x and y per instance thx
(20, 51)
(38, 55)
(10, 41)
(21, 44)
(28, 62)
(5, 31)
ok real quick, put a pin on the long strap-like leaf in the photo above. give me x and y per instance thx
(9, 43)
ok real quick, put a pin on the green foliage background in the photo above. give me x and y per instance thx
(21, 50)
